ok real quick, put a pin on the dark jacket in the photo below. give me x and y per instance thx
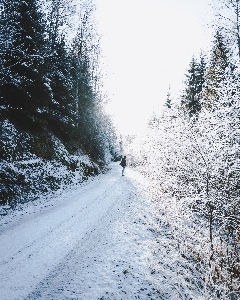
(123, 162)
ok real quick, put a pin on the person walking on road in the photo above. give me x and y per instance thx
(123, 163)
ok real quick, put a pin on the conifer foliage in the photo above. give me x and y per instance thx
(168, 103)
(50, 93)
(219, 65)
(48, 81)
(194, 82)
(228, 19)
(24, 89)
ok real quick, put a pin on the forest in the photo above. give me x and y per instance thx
(54, 130)
(192, 157)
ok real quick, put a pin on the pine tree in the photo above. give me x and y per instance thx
(89, 132)
(61, 108)
(195, 79)
(168, 103)
(24, 87)
(201, 72)
(218, 66)
(46, 85)
(228, 19)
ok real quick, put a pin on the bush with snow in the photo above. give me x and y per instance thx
(25, 175)
(194, 168)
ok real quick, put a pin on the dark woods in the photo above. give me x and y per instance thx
(51, 104)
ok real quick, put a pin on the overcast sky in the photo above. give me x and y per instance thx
(147, 45)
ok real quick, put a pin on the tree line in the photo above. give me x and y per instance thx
(192, 156)
(50, 83)
(54, 129)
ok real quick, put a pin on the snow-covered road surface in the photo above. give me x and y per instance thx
(93, 242)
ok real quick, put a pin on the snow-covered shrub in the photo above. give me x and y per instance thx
(30, 166)
(194, 168)
(9, 184)
(13, 144)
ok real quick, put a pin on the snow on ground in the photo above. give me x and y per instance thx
(97, 241)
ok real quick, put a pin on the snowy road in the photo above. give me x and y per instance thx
(92, 243)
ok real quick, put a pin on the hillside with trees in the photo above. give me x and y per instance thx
(54, 130)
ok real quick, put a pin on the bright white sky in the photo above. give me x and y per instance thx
(147, 45)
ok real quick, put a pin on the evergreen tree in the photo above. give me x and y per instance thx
(195, 79)
(218, 66)
(201, 72)
(168, 103)
(46, 85)
(25, 93)
(228, 19)
(90, 132)
(61, 108)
